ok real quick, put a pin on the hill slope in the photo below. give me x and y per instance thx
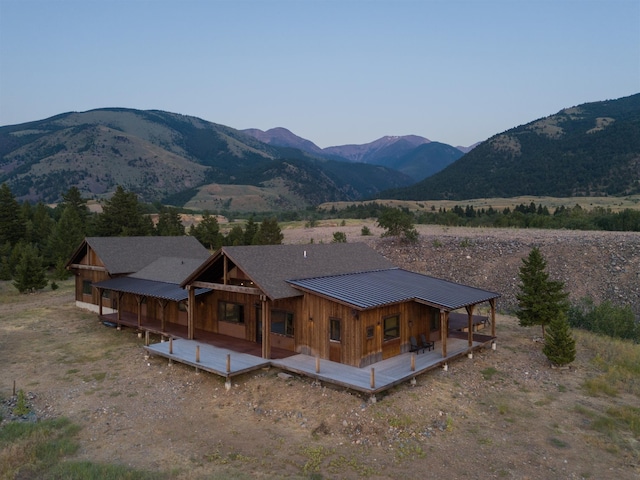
(591, 149)
(161, 155)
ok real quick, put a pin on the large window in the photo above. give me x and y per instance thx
(335, 330)
(230, 312)
(86, 287)
(392, 327)
(282, 322)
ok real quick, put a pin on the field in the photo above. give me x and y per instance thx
(588, 203)
(502, 414)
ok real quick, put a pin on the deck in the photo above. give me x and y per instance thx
(228, 357)
(386, 373)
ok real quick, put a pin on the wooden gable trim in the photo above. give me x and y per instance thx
(80, 266)
(226, 288)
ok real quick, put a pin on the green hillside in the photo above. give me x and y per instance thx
(164, 156)
(589, 150)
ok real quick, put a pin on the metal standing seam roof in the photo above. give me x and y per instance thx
(148, 288)
(376, 288)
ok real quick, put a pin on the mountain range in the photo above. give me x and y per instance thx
(590, 149)
(184, 160)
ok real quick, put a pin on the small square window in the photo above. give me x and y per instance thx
(370, 331)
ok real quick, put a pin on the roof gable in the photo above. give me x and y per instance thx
(123, 255)
(270, 266)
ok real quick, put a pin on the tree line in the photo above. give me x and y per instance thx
(36, 239)
(522, 216)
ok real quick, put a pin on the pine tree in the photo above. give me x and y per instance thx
(559, 344)
(208, 232)
(66, 235)
(269, 233)
(30, 274)
(540, 299)
(169, 223)
(12, 225)
(122, 216)
(250, 230)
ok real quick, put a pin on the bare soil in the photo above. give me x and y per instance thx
(501, 414)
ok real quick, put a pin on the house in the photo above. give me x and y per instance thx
(343, 302)
(136, 280)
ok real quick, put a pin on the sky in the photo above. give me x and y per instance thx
(333, 72)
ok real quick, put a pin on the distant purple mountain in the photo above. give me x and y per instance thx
(402, 153)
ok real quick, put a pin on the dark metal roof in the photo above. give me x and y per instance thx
(148, 288)
(373, 289)
(270, 266)
(122, 255)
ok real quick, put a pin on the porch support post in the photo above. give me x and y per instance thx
(470, 324)
(191, 307)
(100, 301)
(139, 302)
(163, 304)
(266, 327)
(493, 316)
(444, 331)
(119, 315)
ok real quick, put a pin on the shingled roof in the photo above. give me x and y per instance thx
(270, 266)
(383, 287)
(123, 255)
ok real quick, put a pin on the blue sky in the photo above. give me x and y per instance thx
(334, 72)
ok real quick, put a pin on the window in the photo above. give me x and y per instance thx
(370, 331)
(392, 327)
(106, 294)
(435, 324)
(335, 329)
(182, 306)
(86, 287)
(230, 312)
(282, 322)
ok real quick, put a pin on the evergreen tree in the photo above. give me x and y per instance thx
(269, 233)
(30, 273)
(169, 223)
(559, 344)
(73, 199)
(208, 232)
(12, 225)
(122, 216)
(235, 236)
(67, 234)
(250, 230)
(540, 299)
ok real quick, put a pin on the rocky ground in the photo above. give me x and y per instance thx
(502, 414)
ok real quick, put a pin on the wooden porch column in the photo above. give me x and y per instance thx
(224, 269)
(191, 307)
(266, 327)
(470, 314)
(100, 301)
(444, 331)
(163, 304)
(139, 302)
(119, 316)
(493, 316)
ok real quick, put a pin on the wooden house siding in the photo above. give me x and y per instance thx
(362, 331)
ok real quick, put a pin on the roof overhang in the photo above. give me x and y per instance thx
(148, 288)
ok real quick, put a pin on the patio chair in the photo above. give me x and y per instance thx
(425, 344)
(414, 345)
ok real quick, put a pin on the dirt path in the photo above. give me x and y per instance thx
(502, 414)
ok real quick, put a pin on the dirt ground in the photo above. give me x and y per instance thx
(502, 414)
